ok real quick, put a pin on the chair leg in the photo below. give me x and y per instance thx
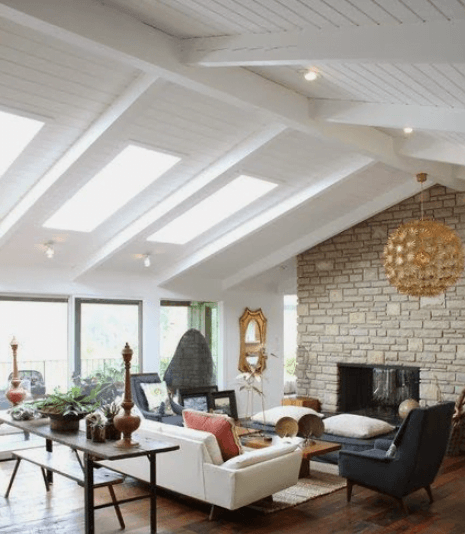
(18, 461)
(116, 505)
(350, 485)
(430, 495)
(402, 505)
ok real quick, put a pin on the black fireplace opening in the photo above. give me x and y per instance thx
(376, 390)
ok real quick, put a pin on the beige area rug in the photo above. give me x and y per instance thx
(320, 483)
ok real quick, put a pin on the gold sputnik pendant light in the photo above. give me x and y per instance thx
(423, 257)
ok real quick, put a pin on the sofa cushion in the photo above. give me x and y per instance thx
(356, 426)
(157, 397)
(221, 426)
(259, 455)
(273, 415)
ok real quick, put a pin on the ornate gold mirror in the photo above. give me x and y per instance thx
(253, 340)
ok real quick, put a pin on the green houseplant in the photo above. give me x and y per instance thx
(66, 409)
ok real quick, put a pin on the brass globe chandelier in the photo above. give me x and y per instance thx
(423, 257)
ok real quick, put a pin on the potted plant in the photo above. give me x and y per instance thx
(66, 409)
(110, 411)
(97, 423)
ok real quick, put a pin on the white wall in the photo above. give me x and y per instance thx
(234, 304)
(19, 281)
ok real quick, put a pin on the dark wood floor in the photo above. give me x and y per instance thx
(30, 510)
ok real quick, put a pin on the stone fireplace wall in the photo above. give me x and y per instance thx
(349, 313)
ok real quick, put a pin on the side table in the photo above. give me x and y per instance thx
(307, 402)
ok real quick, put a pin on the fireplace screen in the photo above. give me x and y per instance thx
(376, 389)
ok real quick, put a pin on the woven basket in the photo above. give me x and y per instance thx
(456, 443)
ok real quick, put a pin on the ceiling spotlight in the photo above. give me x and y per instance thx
(311, 75)
(49, 250)
(147, 261)
(408, 130)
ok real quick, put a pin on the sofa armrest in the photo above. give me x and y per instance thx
(233, 488)
(256, 456)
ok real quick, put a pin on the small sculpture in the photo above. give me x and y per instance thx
(127, 423)
(15, 393)
(311, 425)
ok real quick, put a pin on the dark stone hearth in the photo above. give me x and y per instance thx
(192, 363)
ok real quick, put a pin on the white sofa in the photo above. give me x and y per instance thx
(197, 469)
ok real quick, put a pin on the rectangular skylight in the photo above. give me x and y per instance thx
(16, 133)
(225, 202)
(131, 171)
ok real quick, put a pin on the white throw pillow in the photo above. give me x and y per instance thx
(356, 426)
(259, 455)
(156, 394)
(273, 415)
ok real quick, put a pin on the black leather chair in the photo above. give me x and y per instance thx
(140, 399)
(408, 463)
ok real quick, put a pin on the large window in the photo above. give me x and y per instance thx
(176, 317)
(290, 336)
(103, 327)
(40, 327)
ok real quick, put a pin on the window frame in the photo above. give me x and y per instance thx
(77, 326)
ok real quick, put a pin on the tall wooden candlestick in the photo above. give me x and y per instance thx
(15, 393)
(127, 423)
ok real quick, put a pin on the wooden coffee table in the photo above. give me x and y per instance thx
(314, 448)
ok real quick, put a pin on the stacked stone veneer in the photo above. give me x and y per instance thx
(348, 312)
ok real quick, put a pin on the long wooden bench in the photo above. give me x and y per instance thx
(65, 463)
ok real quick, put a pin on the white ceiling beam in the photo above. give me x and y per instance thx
(266, 217)
(87, 139)
(219, 167)
(390, 115)
(427, 148)
(422, 42)
(337, 226)
(102, 30)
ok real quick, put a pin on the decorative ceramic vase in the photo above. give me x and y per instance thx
(407, 406)
(15, 393)
(127, 423)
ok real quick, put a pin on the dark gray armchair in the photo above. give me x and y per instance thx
(408, 463)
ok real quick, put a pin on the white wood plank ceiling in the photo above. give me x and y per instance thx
(219, 83)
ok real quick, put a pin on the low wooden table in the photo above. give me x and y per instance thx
(314, 448)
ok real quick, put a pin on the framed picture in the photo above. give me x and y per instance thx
(224, 402)
(199, 401)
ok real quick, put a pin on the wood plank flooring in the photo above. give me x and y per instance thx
(30, 510)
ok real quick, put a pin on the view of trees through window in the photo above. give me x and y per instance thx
(290, 336)
(40, 327)
(103, 328)
(176, 317)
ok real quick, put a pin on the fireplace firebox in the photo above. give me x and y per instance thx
(376, 390)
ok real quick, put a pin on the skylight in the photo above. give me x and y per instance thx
(225, 202)
(16, 133)
(131, 171)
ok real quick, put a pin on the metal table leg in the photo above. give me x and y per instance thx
(49, 448)
(89, 493)
(153, 491)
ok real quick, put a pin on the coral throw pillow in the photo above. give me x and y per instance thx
(221, 426)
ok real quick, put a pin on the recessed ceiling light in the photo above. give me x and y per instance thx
(49, 250)
(408, 130)
(147, 261)
(16, 133)
(311, 75)
(131, 171)
(212, 210)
